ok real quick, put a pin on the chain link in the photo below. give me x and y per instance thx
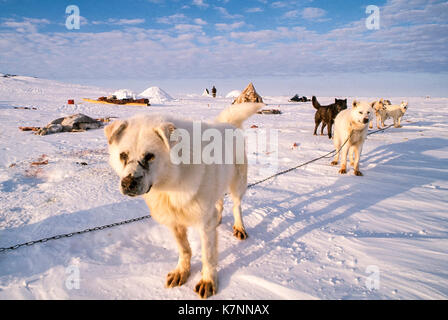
(68, 235)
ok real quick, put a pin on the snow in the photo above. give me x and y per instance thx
(313, 234)
(233, 94)
(124, 94)
(156, 95)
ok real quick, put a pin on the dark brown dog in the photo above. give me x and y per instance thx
(327, 114)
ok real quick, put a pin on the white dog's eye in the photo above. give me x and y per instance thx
(124, 157)
(149, 157)
(360, 112)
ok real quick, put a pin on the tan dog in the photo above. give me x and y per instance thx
(379, 107)
(350, 132)
(178, 194)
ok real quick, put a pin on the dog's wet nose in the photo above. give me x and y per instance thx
(366, 120)
(130, 184)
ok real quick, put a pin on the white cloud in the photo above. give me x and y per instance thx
(200, 3)
(291, 14)
(200, 21)
(313, 13)
(120, 22)
(279, 4)
(254, 10)
(229, 27)
(183, 27)
(29, 25)
(227, 15)
(175, 18)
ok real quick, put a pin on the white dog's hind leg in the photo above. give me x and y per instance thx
(179, 276)
(220, 207)
(337, 146)
(208, 285)
(238, 187)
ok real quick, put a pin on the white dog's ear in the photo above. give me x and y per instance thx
(114, 131)
(355, 103)
(164, 132)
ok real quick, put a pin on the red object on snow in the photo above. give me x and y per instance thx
(71, 101)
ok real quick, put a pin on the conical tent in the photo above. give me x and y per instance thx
(249, 95)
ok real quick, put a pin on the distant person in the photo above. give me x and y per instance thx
(214, 92)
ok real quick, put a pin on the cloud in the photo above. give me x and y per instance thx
(227, 15)
(313, 13)
(291, 14)
(200, 21)
(28, 25)
(188, 27)
(254, 10)
(175, 18)
(120, 22)
(229, 27)
(200, 3)
(279, 4)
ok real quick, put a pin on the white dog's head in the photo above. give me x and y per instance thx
(404, 106)
(139, 152)
(362, 112)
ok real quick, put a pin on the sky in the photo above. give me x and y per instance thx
(285, 47)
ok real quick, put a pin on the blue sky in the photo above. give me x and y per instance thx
(304, 46)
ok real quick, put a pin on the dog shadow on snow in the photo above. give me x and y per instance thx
(350, 194)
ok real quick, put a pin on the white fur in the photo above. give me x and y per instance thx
(396, 112)
(184, 195)
(350, 132)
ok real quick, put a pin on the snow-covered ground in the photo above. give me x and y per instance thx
(312, 232)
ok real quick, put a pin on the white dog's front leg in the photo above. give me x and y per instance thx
(208, 285)
(358, 150)
(344, 153)
(179, 276)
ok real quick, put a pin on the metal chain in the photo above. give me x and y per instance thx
(68, 235)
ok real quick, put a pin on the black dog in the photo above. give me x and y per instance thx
(327, 114)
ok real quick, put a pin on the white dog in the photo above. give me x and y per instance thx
(180, 195)
(380, 108)
(350, 132)
(396, 112)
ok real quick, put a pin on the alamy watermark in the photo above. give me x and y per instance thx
(73, 277)
(228, 146)
(373, 279)
(73, 20)
(373, 20)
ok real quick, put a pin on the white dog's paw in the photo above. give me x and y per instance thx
(334, 163)
(205, 288)
(176, 278)
(343, 171)
(240, 233)
(358, 173)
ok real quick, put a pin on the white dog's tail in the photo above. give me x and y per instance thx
(236, 114)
